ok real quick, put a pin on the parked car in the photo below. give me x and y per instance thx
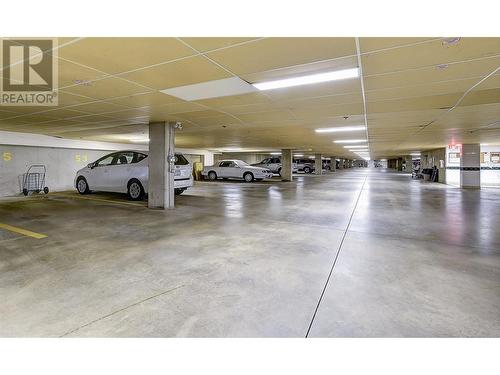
(235, 169)
(128, 172)
(304, 165)
(274, 165)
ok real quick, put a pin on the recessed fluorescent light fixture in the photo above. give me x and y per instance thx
(341, 129)
(359, 150)
(355, 146)
(275, 153)
(298, 155)
(309, 79)
(350, 141)
(211, 89)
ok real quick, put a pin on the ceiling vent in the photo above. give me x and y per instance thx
(448, 42)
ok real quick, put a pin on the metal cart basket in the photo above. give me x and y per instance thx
(34, 179)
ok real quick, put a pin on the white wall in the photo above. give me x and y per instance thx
(453, 165)
(490, 171)
(62, 157)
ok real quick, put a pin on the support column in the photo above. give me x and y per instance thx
(161, 165)
(408, 163)
(286, 165)
(333, 163)
(470, 166)
(318, 164)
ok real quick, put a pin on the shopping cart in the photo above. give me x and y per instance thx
(34, 179)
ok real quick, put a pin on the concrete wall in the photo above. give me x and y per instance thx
(62, 164)
(250, 158)
(62, 158)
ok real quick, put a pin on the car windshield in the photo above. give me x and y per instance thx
(180, 160)
(241, 163)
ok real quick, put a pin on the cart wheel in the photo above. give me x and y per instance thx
(25, 191)
(37, 191)
(46, 190)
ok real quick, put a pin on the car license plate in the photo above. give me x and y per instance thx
(177, 173)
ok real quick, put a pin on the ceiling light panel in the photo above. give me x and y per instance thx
(341, 129)
(309, 79)
(212, 89)
(350, 141)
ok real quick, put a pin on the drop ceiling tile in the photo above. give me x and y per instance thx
(116, 55)
(181, 107)
(252, 108)
(429, 54)
(473, 69)
(482, 97)
(91, 118)
(324, 101)
(208, 44)
(338, 63)
(68, 99)
(266, 116)
(70, 73)
(449, 87)
(375, 43)
(128, 113)
(329, 111)
(316, 90)
(413, 104)
(150, 99)
(180, 73)
(272, 53)
(235, 100)
(106, 88)
(217, 121)
(98, 107)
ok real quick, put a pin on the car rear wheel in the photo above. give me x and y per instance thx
(135, 191)
(212, 176)
(82, 186)
(307, 170)
(248, 177)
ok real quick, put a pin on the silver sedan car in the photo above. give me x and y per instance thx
(226, 169)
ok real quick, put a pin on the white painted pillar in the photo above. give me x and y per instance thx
(470, 166)
(333, 164)
(318, 164)
(286, 165)
(161, 165)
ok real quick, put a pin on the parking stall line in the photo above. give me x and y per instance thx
(22, 231)
(97, 200)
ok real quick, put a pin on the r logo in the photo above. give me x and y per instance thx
(29, 72)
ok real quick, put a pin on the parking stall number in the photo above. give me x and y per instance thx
(81, 158)
(7, 156)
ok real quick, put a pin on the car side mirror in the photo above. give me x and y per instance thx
(91, 165)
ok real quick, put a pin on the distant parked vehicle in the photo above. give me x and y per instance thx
(304, 165)
(235, 169)
(274, 165)
(128, 172)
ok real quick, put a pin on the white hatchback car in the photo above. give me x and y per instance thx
(128, 172)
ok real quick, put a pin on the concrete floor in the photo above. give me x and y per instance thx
(233, 259)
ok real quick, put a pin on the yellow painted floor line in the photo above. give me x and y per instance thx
(22, 231)
(98, 199)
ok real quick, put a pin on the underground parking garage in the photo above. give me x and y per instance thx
(179, 187)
